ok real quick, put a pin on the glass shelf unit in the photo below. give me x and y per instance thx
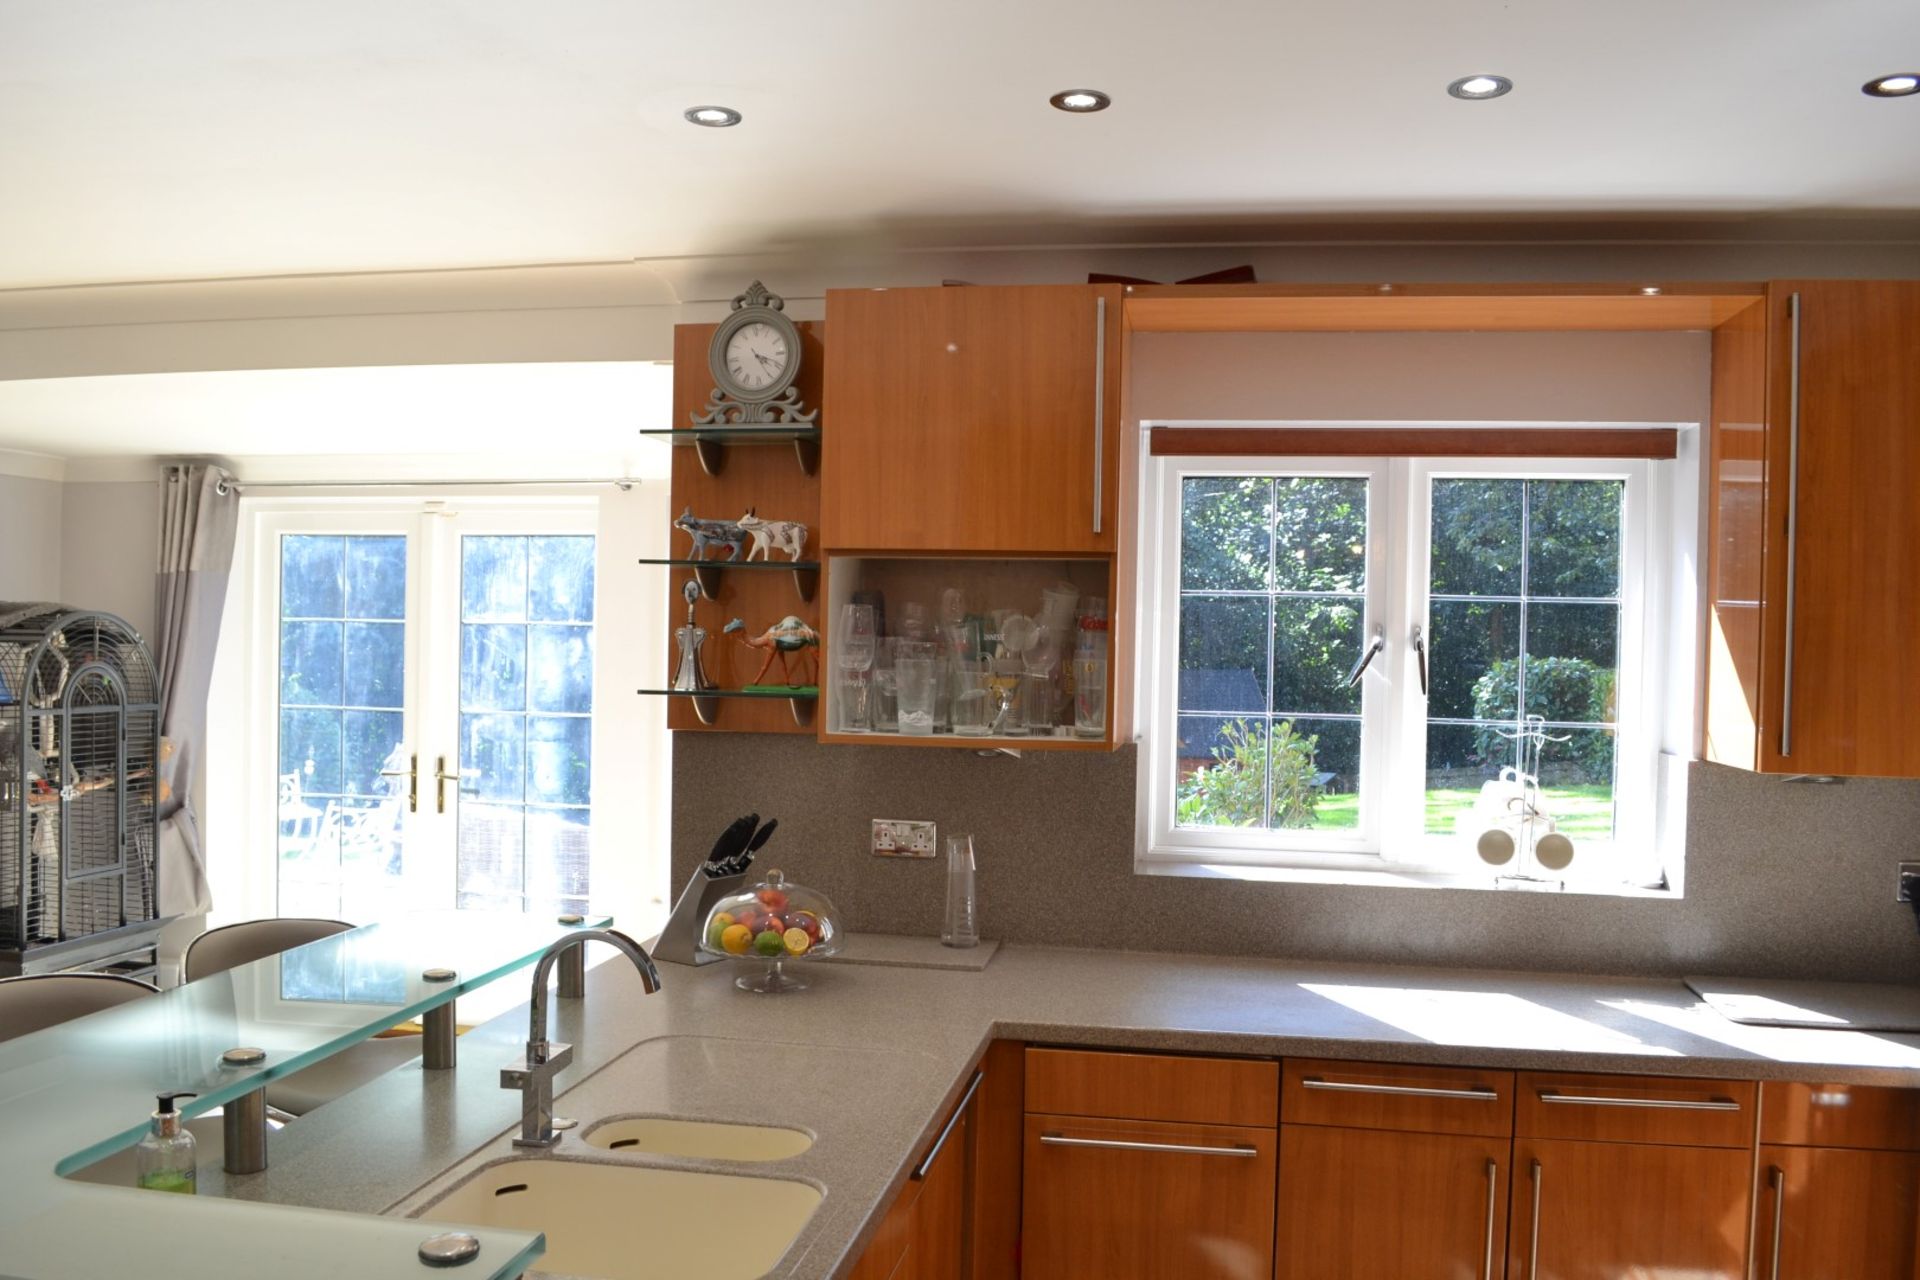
(706, 702)
(72, 1094)
(711, 443)
(806, 573)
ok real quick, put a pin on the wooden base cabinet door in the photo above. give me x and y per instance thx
(1628, 1211)
(1827, 1214)
(1145, 1200)
(1369, 1204)
(938, 1240)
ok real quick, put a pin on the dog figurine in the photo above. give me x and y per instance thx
(769, 536)
(714, 533)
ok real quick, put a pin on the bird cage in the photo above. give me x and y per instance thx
(79, 749)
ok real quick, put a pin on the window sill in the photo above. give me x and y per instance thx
(1388, 878)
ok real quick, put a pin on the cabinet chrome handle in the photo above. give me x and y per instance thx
(1420, 651)
(1533, 1240)
(1778, 1178)
(412, 774)
(1793, 517)
(1666, 1104)
(1366, 659)
(966, 1099)
(1478, 1093)
(1493, 1195)
(1099, 406)
(1172, 1148)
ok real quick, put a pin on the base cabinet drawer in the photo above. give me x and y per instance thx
(1620, 1210)
(1825, 1214)
(1370, 1204)
(1145, 1200)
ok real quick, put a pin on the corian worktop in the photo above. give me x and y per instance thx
(871, 1058)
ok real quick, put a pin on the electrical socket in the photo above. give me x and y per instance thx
(1904, 893)
(901, 838)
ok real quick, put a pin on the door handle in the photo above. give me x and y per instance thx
(1493, 1196)
(1366, 659)
(441, 779)
(1793, 519)
(1533, 1240)
(1778, 1177)
(959, 1111)
(1099, 407)
(412, 774)
(1420, 652)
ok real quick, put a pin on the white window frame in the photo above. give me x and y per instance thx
(1390, 838)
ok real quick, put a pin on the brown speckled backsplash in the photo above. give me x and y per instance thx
(1784, 880)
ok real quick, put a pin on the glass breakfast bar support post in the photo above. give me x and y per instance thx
(243, 1124)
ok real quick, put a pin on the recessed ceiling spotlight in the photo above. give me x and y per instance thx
(1474, 88)
(1081, 101)
(712, 117)
(1903, 84)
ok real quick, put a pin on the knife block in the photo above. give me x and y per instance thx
(680, 940)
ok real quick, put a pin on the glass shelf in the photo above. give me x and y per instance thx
(72, 1094)
(706, 702)
(711, 442)
(806, 573)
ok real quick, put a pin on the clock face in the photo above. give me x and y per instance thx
(757, 356)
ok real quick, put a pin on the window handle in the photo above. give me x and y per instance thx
(1366, 659)
(412, 774)
(1420, 651)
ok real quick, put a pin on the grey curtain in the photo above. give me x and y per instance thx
(199, 516)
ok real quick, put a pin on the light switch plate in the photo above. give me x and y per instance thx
(903, 838)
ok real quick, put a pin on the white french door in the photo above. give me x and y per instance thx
(421, 710)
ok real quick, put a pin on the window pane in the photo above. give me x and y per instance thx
(376, 665)
(558, 858)
(376, 577)
(560, 579)
(560, 669)
(312, 577)
(559, 759)
(493, 579)
(1316, 641)
(1220, 777)
(1576, 783)
(1316, 774)
(492, 861)
(1582, 639)
(1320, 534)
(1573, 539)
(1477, 537)
(492, 757)
(1470, 640)
(1226, 533)
(373, 744)
(1461, 759)
(309, 753)
(310, 664)
(493, 667)
(1223, 653)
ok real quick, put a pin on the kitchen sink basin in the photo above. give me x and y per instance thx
(618, 1223)
(654, 1135)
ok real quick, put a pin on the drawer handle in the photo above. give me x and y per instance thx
(1173, 1148)
(1665, 1104)
(966, 1100)
(1478, 1093)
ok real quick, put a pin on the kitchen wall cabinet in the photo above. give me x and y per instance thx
(1839, 1183)
(1814, 574)
(973, 419)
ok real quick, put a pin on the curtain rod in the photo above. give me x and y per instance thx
(622, 483)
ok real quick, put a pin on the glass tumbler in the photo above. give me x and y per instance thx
(962, 927)
(972, 698)
(913, 668)
(1089, 697)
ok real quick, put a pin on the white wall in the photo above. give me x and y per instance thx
(29, 538)
(107, 556)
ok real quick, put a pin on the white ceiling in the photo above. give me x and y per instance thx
(143, 141)
(522, 420)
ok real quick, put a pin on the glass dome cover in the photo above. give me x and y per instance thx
(772, 922)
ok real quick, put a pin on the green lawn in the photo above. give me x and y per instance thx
(1580, 811)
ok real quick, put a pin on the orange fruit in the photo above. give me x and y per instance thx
(735, 939)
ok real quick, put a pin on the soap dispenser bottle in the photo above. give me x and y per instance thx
(166, 1156)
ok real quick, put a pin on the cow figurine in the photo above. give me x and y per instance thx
(706, 533)
(787, 636)
(769, 536)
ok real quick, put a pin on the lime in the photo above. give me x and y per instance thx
(769, 944)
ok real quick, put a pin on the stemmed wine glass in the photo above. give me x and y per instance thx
(853, 645)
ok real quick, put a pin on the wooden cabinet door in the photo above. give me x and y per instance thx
(1829, 1214)
(971, 419)
(1839, 683)
(1146, 1200)
(1627, 1211)
(1372, 1204)
(937, 1243)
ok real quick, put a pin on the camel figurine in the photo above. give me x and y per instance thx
(787, 636)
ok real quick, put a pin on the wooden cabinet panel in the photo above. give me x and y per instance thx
(1153, 1086)
(1150, 1210)
(1605, 1108)
(999, 1114)
(1837, 1215)
(937, 1247)
(1372, 1095)
(886, 1253)
(1361, 1204)
(1839, 1115)
(1624, 1211)
(1737, 537)
(963, 419)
